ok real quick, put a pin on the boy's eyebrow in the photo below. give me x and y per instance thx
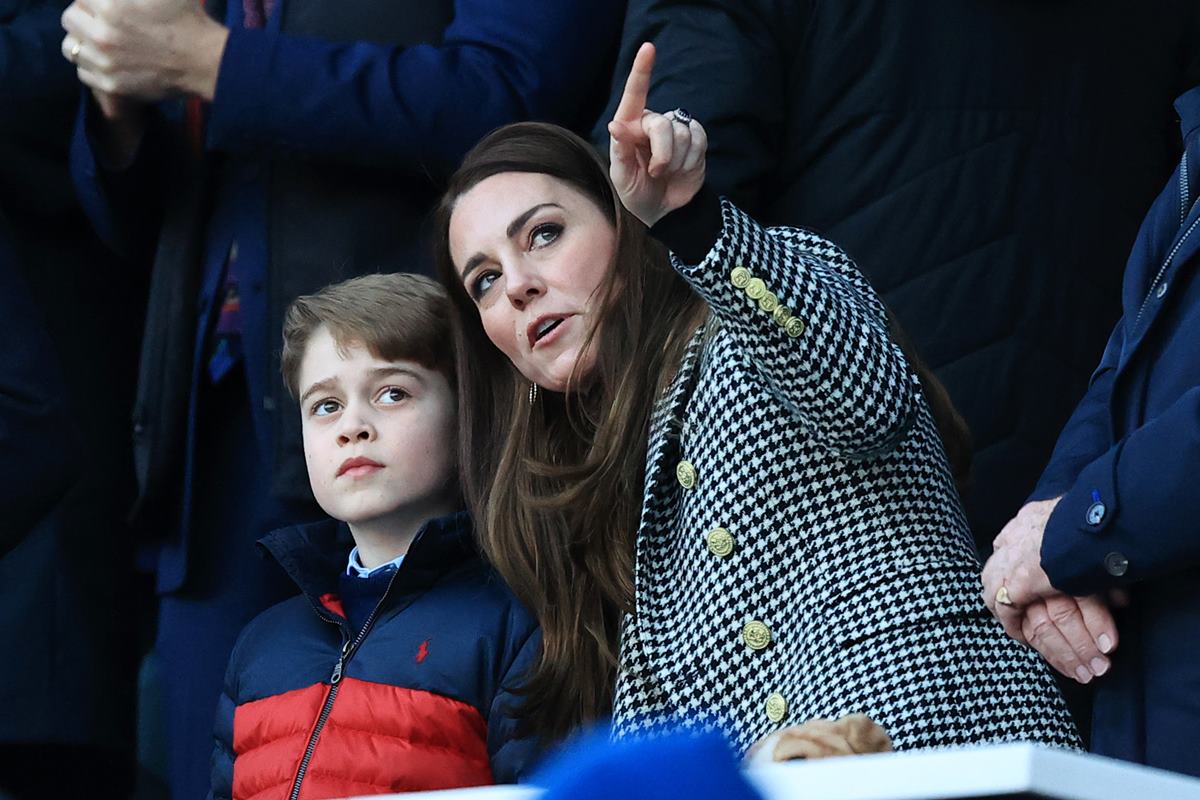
(381, 372)
(329, 384)
(320, 386)
(509, 232)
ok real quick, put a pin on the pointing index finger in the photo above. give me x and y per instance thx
(637, 86)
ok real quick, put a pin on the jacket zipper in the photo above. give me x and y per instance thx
(349, 647)
(1184, 207)
(1162, 270)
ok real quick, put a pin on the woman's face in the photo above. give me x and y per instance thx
(532, 250)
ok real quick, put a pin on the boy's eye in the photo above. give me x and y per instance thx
(483, 281)
(544, 234)
(324, 408)
(392, 395)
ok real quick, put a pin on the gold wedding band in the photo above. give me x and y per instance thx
(1002, 596)
(75, 48)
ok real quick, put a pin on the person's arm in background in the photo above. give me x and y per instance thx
(723, 61)
(416, 108)
(1146, 483)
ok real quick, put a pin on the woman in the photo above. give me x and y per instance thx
(719, 460)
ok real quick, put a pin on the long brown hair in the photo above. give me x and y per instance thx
(556, 486)
(557, 492)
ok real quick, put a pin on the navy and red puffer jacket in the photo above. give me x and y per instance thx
(419, 699)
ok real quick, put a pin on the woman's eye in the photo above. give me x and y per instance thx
(544, 234)
(392, 395)
(483, 281)
(326, 407)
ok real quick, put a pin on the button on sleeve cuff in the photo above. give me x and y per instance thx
(1081, 542)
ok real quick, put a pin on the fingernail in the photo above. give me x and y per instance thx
(1105, 643)
(1099, 666)
(1082, 674)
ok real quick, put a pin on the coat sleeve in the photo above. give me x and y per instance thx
(513, 756)
(1087, 433)
(124, 204)
(723, 61)
(810, 325)
(1136, 504)
(419, 107)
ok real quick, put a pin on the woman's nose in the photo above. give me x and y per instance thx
(522, 285)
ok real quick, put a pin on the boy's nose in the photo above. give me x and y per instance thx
(356, 430)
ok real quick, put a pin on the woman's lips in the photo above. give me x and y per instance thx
(551, 335)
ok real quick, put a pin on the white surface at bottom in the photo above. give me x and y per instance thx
(932, 775)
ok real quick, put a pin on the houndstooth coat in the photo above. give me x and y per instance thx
(802, 551)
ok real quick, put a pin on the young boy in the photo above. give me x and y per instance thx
(395, 669)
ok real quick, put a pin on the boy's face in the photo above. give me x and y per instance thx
(379, 436)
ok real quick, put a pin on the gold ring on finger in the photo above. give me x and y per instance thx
(1002, 597)
(75, 48)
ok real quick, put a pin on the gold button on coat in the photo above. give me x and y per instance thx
(776, 707)
(781, 315)
(686, 474)
(768, 302)
(720, 542)
(794, 327)
(756, 288)
(756, 635)
(740, 277)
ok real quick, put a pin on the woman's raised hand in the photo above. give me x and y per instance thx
(656, 160)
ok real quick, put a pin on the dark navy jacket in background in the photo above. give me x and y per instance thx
(38, 445)
(1128, 468)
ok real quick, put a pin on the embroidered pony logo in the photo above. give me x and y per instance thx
(422, 651)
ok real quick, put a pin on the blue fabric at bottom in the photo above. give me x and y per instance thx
(698, 767)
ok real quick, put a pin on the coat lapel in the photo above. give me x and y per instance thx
(659, 496)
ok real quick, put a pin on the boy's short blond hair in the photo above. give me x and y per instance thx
(396, 317)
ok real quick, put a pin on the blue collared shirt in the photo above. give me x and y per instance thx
(354, 565)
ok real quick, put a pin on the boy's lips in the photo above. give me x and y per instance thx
(359, 465)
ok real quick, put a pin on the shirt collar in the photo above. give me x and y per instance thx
(354, 566)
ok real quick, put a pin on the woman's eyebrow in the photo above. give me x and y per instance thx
(521, 219)
(509, 232)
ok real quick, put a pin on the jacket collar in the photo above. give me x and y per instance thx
(1187, 105)
(314, 555)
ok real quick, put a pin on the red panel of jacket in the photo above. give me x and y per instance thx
(378, 739)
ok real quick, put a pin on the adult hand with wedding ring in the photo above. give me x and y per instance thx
(656, 160)
(1074, 634)
(144, 49)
